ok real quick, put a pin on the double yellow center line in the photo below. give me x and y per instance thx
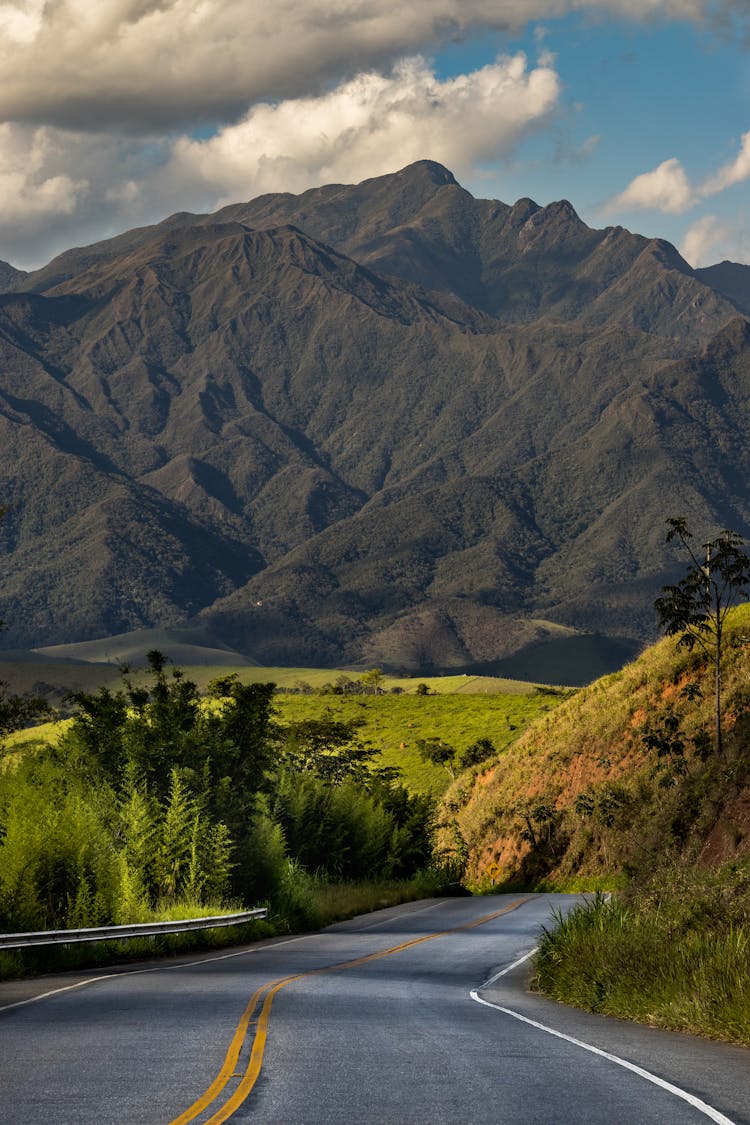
(263, 998)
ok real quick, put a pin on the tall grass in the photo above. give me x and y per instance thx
(310, 900)
(678, 959)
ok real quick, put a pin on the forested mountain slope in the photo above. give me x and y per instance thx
(385, 422)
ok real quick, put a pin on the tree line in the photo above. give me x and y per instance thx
(157, 795)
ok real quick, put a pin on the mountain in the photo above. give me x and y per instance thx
(731, 280)
(382, 423)
(421, 226)
(10, 277)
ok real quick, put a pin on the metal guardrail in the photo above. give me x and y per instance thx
(118, 933)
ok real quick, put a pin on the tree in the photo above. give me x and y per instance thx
(543, 813)
(696, 608)
(372, 681)
(330, 748)
(18, 711)
(439, 753)
(479, 751)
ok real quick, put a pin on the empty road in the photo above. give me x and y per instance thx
(415, 1015)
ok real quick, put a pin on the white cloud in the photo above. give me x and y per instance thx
(666, 188)
(63, 187)
(31, 184)
(732, 173)
(701, 244)
(21, 22)
(98, 99)
(372, 124)
(142, 63)
(711, 240)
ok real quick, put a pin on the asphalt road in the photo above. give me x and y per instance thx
(412, 1016)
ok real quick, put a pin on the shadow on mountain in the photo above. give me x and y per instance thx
(566, 661)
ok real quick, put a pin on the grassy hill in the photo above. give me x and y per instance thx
(621, 787)
(599, 799)
(182, 646)
(56, 670)
(459, 716)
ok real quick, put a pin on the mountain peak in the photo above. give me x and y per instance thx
(562, 209)
(522, 210)
(431, 170)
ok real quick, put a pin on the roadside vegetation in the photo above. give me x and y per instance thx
(639, 784)
(672, 951)
(157, 801)
(621, 790)
(154, 799)
(343, 793)
(615, 777)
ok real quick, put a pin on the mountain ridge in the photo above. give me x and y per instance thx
(288, 422)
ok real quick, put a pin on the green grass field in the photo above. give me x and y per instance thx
(459, 710)
(395, 723)
(317, 678)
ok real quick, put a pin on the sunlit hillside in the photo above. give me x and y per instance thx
(580, 794)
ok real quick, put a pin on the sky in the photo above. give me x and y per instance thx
(117, 113)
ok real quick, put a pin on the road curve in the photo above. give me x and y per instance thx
(413, 1015)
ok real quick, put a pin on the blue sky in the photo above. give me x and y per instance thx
(646, 93)
(119, 113)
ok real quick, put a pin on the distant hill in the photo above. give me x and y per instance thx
(730, 279)
(184, 646)
(58, 670)
(385, 424)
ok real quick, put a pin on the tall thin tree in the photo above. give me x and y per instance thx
(696, 607)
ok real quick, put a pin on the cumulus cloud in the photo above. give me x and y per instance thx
(666, 188)
(712, 239)
(60, 188)
(702, 243)
(33, 183)
(368, 125)
(372, 124)
(732, 173)
(146, 63)
(101, 101)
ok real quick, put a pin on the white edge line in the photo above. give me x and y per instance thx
(139, 972)
(508, 968)
(54, 992)
(192, 964)
(696, 1103)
